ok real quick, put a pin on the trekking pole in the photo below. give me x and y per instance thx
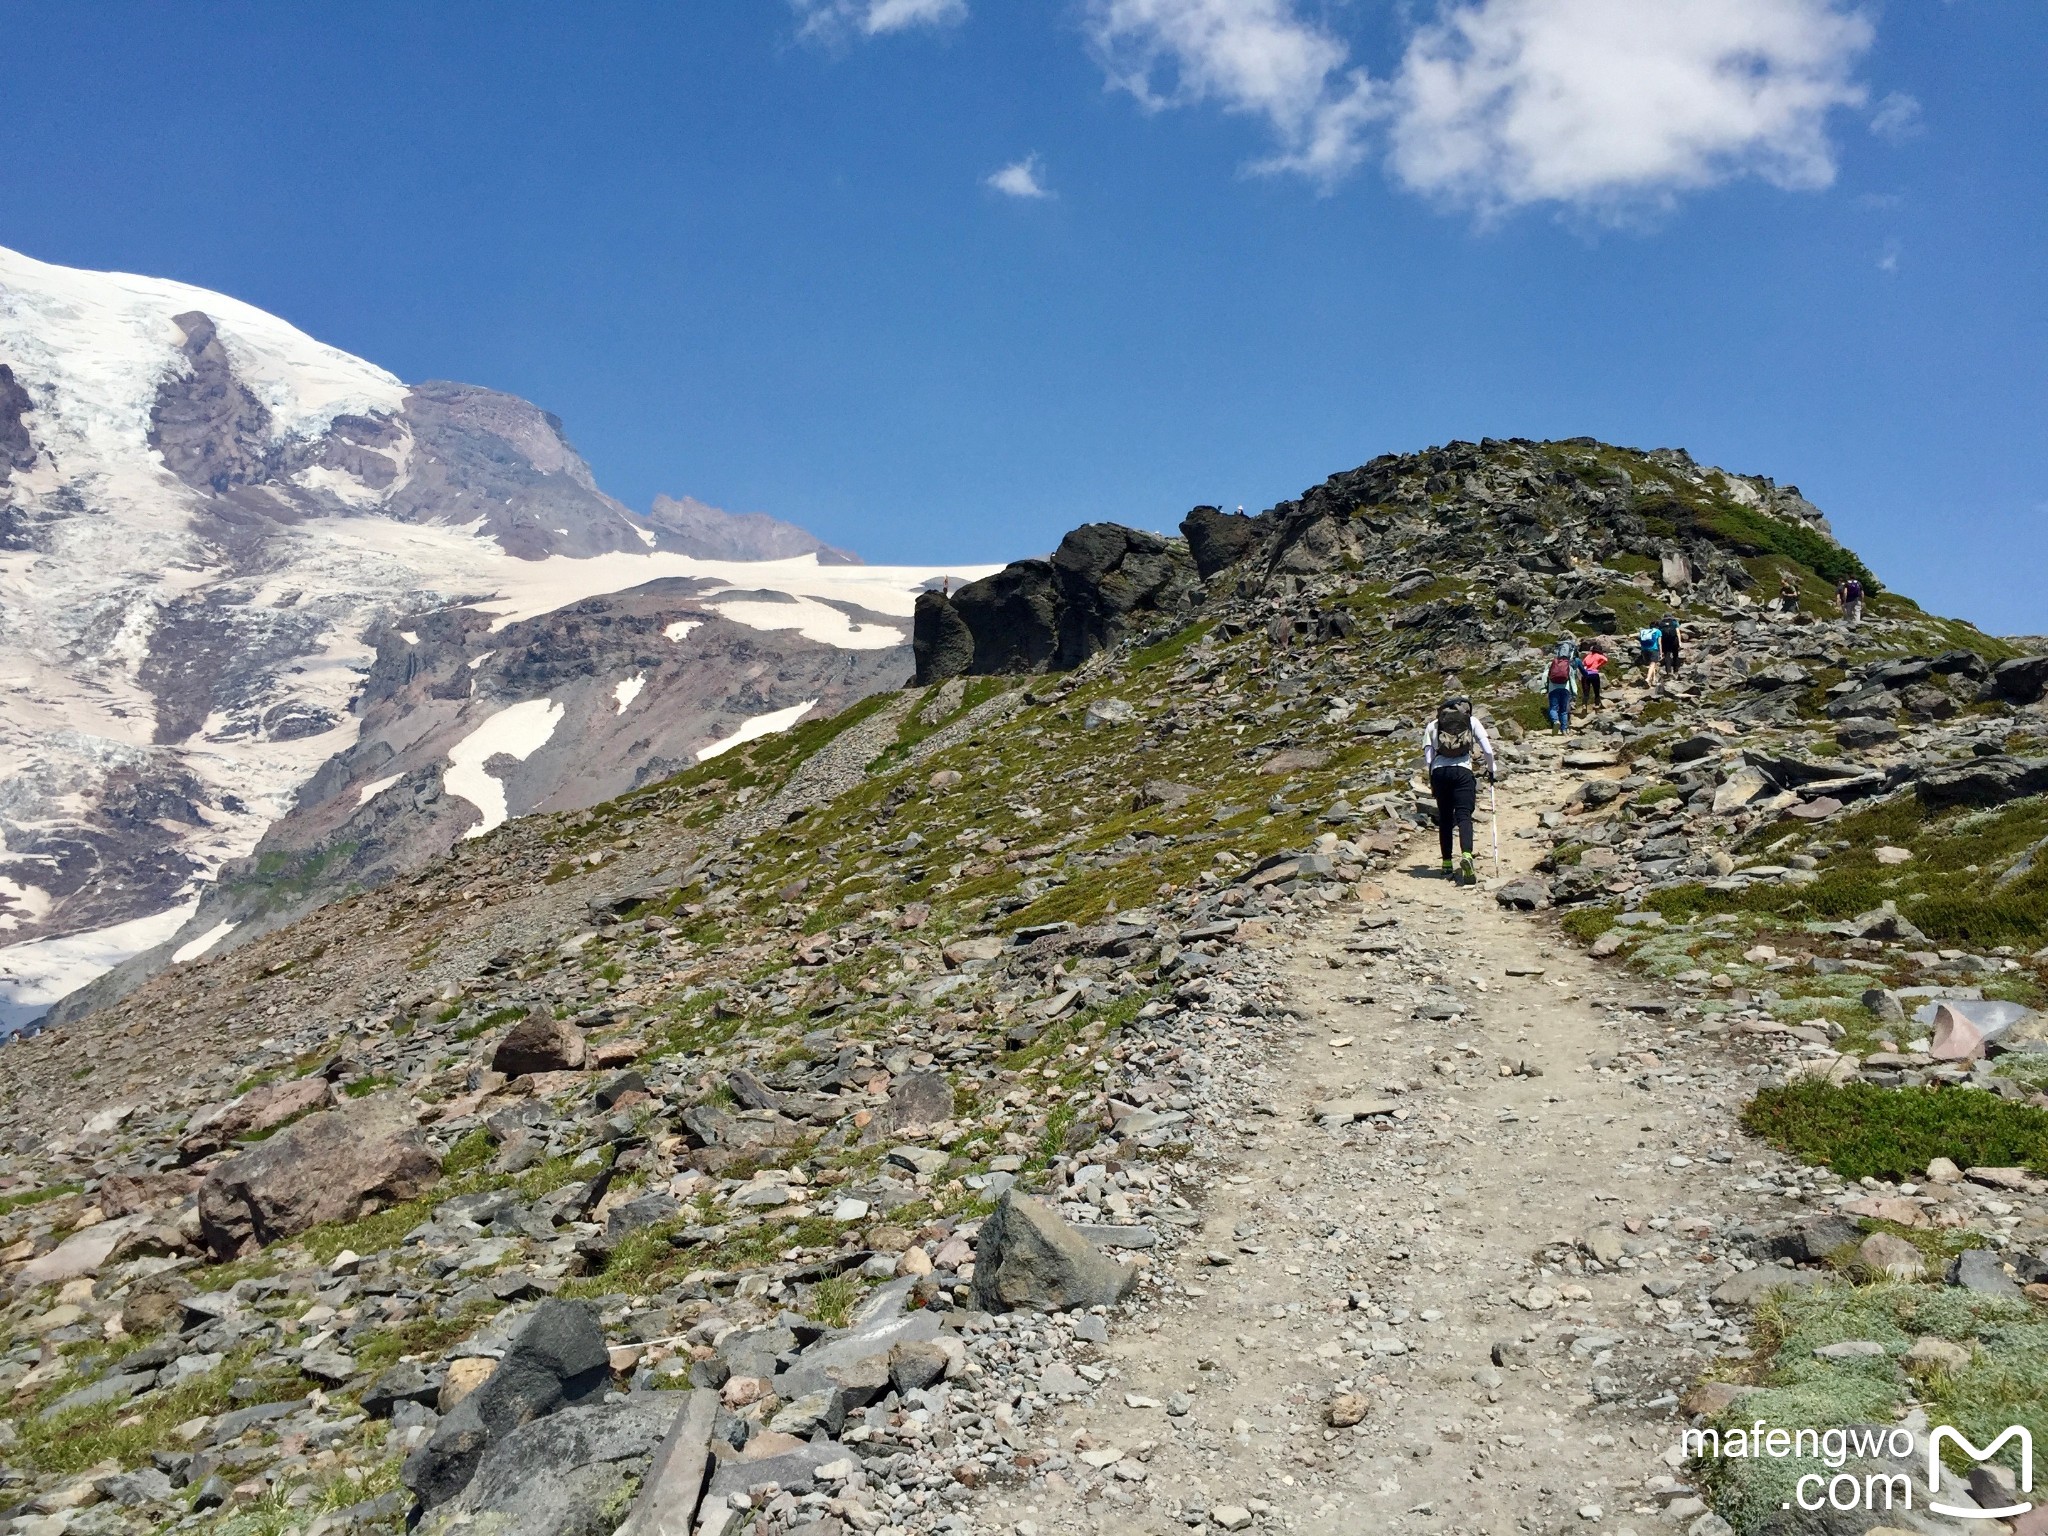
(1493, 801)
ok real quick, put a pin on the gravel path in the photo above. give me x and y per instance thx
(1431, 1260)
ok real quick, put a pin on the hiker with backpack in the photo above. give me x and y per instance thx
(1850, 595)
(1667, 636)
(1447, 748)
(1650, 646)
(1788, 593)
(1558, 682)
(1591, 664)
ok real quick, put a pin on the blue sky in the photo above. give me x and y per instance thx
(788, 257)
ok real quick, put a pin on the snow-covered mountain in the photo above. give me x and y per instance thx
(250, 582)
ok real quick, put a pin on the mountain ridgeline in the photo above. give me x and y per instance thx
(1550, 525)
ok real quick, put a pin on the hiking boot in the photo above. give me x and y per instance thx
(1448, 875)
(1469, 877)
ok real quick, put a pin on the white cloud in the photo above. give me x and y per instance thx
(1888, 259)
(872, 18)
(1020, 179)
(1606, 103)
(1497, 104)
(1897, 118)
(1256, 57)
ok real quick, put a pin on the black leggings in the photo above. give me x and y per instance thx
(1590, 690)
(1457, 793)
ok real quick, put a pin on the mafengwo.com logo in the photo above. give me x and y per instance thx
(1875, 1489)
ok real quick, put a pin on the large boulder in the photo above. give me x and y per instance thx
(1013, 616)
(558, 1360)
(1028, 1259)
(562, 1475)
(540, 1042)
(260, 1109)
(1217, 539)
(2023, 680)
(940, 640)
(920, 1098)
(1108, 572)
(1983, 781)
(336, 1165)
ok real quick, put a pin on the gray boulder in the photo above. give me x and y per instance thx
(2023, 680)
(920, 1098)
(557, 1361)
(1028, 1259)
(1525, 894)
(1979, 1270)
(1983, 781)
(337, 1165)
(569, 1474)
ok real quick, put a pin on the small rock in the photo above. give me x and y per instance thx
(1346, 1409)
(1891, 1256)
(1931, 1355)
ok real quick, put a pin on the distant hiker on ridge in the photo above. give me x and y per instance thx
(1668, 634)
(1850, 595)
(1447, 747)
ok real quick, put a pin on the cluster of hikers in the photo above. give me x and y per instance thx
(1455, 741)
(1848, 597)
(1573, 675)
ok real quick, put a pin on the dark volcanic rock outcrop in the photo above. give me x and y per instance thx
(1217, 539)
(1057, 612)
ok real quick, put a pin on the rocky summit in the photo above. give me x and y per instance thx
(1065, 1093)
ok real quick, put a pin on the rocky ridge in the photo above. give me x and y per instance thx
(1014, 1103)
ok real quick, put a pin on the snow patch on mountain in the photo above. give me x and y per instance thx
(518, 732)
(628, 689)
(34, 975)
(770, 724)
(185, 953)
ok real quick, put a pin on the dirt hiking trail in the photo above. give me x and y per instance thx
(1427, 1260)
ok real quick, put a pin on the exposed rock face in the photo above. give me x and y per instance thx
(336, 1165)
(1013, 616)
(540, 1042)
(1106, 574)
(1053, 613)
(941, 642)
(689, 527)
(1217, 539)
(1028, 1259)
(211, 431)
(17, 448)
(558, 1361)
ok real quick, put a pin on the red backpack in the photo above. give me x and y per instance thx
(1560, 672)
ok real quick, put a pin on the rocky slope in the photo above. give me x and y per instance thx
(1020, 1102)
(214, 532)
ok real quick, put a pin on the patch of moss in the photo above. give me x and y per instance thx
(1863, 1131)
